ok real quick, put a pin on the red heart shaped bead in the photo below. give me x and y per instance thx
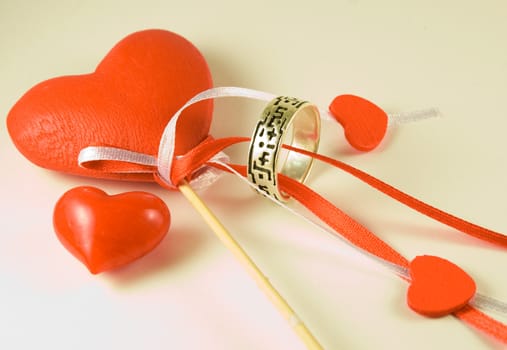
(125, 103)
(364, 123)
(438, 287)
(105, 232)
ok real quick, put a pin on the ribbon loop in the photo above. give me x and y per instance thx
(168, 140)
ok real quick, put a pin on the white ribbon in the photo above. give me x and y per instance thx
(163, 161)
(207, 175)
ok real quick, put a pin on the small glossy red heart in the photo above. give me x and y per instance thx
(364, 123)
(105, 232)
(438, 287)
(125, 103)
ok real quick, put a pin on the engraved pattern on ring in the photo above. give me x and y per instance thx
(266, 143)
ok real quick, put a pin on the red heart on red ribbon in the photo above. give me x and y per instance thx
(438, 287)
(364, 123)
(105, 232)
(125, 103)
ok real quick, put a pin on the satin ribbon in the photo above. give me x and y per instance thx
(118, 160)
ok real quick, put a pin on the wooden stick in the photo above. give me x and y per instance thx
(262, 281)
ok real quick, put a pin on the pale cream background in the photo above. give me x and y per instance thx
(190, 293)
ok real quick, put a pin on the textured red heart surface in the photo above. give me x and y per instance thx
(438, 287)
(364, 123)
(125, 103)
(105, 232)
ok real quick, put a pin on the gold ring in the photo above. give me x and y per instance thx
(283, 117)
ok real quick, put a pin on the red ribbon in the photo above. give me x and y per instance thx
(346, 226)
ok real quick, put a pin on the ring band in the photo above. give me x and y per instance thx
(281, 117)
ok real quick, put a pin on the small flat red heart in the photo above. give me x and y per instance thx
(125, 103)
(105, 232)
(364, 123)
(438, 287)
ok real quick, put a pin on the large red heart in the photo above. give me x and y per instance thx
(438, 287)
(125, 103)
(107, 232)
